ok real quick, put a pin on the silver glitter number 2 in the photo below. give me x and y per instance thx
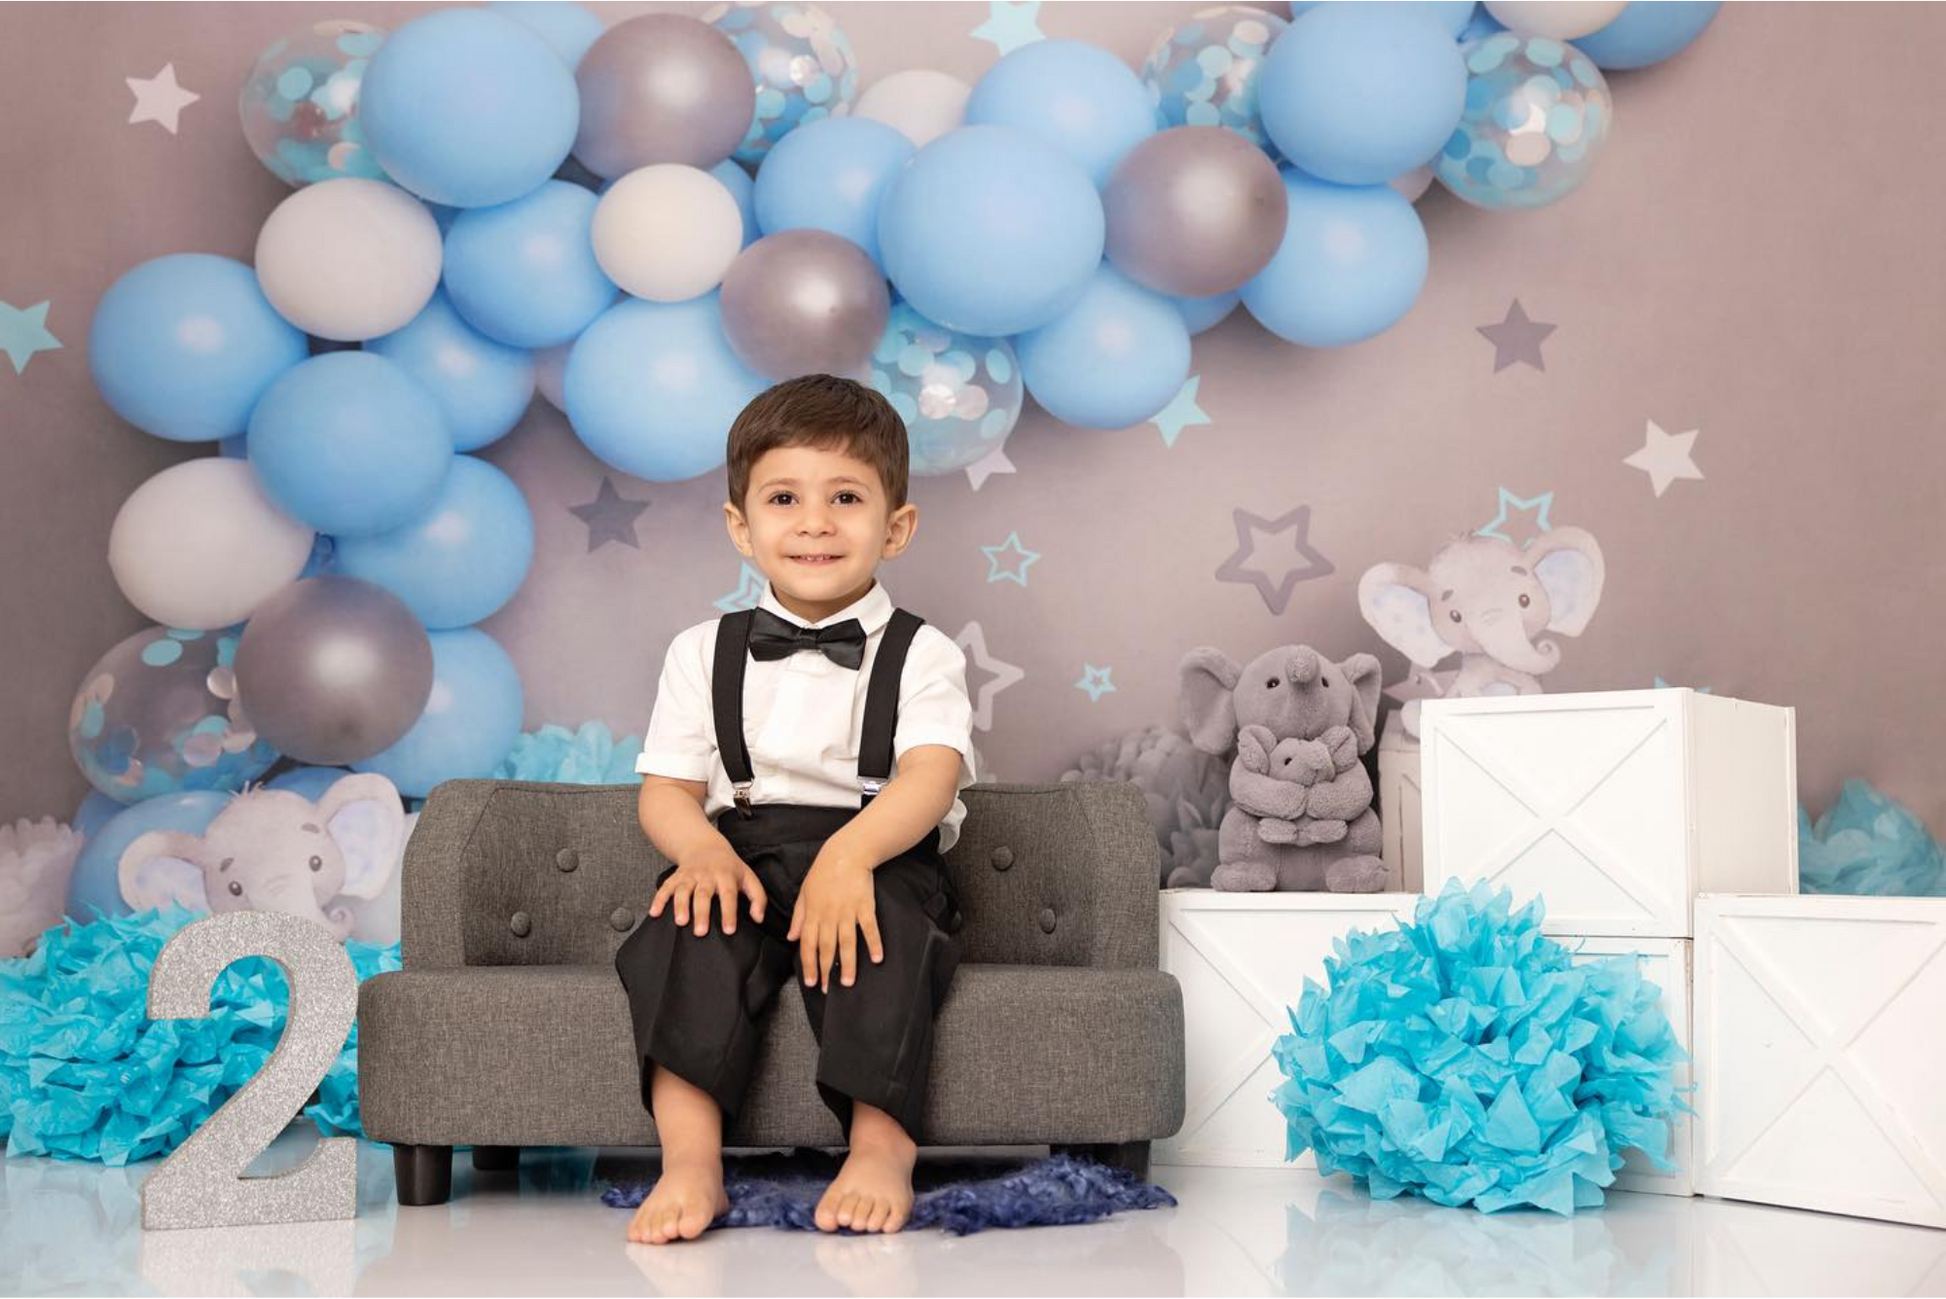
(202, 1183)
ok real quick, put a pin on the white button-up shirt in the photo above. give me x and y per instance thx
(803, 715)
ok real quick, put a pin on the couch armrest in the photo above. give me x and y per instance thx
(431, 885)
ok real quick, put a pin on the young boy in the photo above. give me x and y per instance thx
(806, 786)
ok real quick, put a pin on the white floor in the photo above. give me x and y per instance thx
(68, 1228)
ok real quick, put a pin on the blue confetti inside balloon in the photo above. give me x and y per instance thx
(85, 1074)
(959, 395)
(300, 105)
(1204, 72)
(801, 61)
(1537, 115)
(1466, 1058)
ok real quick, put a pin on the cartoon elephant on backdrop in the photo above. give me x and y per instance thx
(1490, 601)
(275, 850)
(1293, 692)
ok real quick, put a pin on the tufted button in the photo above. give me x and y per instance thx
(1003, 857)
(1047, 920)
(621, 919)
(567, 859)
(521, 924)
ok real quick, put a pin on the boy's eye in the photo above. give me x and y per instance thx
(854, 495)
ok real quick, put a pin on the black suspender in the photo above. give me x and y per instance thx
(881, 703)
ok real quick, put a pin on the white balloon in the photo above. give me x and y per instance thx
(667, 232)
(921, 103)
(349, 259)
(1413, 184)
(199, 546)
(551, 374)
(1562, 19)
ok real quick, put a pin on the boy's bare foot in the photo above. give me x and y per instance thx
(685, 1200)
(873, 1191)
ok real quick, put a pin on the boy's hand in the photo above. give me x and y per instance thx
(834, 904)
(718, 873)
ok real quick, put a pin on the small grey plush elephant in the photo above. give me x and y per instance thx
(1301, 814)
(275, 850)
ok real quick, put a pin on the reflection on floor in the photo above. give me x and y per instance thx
(75, 1228)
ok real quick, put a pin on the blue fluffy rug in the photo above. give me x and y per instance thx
(783, 1191)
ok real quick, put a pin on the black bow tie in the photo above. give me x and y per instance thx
(772, 637)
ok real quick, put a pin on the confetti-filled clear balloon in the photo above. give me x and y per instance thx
(300, 105)
(959, 394)
(801, 62)
(1537, 115)
(159, 715)
(1203, 72)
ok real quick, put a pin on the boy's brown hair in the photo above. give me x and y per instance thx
(827, 412)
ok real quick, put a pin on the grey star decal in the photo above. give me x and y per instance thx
(1277, 567)
(609, 517)
(1516, 339)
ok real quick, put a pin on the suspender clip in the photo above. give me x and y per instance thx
(868, 787)
(742, 792)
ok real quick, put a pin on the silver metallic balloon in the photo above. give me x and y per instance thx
(1194, 211)
(333, 669)
(804, 302)
(661, 88)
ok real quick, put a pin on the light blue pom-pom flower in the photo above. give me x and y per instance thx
(1867, 843)
(86, 1074)
(1467, 1058)
(588, 756)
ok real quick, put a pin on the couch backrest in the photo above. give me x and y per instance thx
(504, 872)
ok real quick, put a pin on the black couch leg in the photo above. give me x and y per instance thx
(1129, 1156)
(496, 1159)
(424, 1174)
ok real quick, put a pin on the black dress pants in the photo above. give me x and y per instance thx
(697, 1003)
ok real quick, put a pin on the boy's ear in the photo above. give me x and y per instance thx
(900, 528)
(738, 526)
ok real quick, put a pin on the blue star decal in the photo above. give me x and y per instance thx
(23, 333)
(1095, 681)
(1010, 26)
(1538, 505)
(1018, 573)
(750, 589)
(1181, 412)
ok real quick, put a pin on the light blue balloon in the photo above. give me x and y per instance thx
(349, 444)
(471, 721)
(991, 231)
(652, 387)
(1480, 26)
(1358, 92)
(524, 273)
(183, 346)
(468, 108)
(311, 782)
(96, 882)
(1201, 314)
(1455, 14)
(1114, 358)
(462, 559)
(831, 175)
(567, 27)
(1076, 96)
(744, 190)
(481, 387)
(1352, 262)
(1648, 33)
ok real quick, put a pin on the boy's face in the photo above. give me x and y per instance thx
(817, 523)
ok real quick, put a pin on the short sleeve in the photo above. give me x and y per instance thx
(933, 704)
(681, 740)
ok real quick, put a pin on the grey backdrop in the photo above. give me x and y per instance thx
(1756, 257)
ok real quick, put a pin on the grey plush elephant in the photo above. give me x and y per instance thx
(1491, 602)
(274, 850)
(1289, 825)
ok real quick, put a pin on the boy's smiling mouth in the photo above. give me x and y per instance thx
(816, 559)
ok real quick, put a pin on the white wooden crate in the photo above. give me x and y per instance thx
(1242, 959)
(1400, 811)
(1819, 1053)
(1617, 807)
(1669, 963)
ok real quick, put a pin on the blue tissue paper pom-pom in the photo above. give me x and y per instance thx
(1469, 1059)
(1867, 843)
(589, 756)
(86, 1074)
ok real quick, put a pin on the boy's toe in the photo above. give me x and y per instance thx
(850, 1210)
(880, 1214)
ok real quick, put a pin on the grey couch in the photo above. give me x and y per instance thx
(507, 1026)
